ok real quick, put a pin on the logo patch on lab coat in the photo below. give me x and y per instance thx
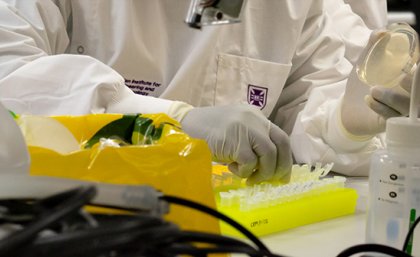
(257, 96)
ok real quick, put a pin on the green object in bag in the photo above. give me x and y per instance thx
(130, 129)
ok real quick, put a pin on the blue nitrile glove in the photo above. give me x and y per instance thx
(243, 137)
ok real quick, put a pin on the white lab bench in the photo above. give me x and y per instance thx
(328, 238)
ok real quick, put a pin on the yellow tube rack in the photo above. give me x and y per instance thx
(325, 202)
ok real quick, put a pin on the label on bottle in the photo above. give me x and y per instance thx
(394, 204)
(386, 219)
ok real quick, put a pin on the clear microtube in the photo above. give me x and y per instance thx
(392, 57)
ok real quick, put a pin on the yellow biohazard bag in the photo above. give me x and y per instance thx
(151, 149)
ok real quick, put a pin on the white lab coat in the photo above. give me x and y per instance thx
(350, 27)
(373, 12)
(272, 59)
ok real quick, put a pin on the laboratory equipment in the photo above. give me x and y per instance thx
(60, 223)
(394, 182)
(213, 12)
(391, 58)
(42, 215)
(269, 208)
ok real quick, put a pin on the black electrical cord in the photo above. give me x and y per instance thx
(193, 236)
(125, 232)
(152, 239)
(114, 236)
(73, 201)
(376, 248)
(409, 234)
(195, 251)
(128, 235)
(217, 214)
(217, 241)
(134, 234)
(222, 244)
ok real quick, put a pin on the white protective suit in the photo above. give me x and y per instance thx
(272, 59)
(373, 12)
(353, 29)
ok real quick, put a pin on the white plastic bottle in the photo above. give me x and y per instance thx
(14, 156)
(394, 181)
(394, 185)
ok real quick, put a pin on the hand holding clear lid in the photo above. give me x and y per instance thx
(387, 65)
(392, 56)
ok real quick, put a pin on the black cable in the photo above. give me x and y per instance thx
(16, 211)
(204, 251)
(193, 236)
(409, 234)
(222, 244)
(377, 248)
(113, 236)
(195, 251)
(217, 214)
(136, 234)
(76, 198)
(218, 241)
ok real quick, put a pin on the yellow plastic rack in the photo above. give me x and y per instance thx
(323, 203)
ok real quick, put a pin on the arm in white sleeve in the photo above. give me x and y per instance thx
(73, 84)
(350, 26)
(319, 61)
(37, 77)
(373, 12)
(319, 136)
(320, 79)
(34, 30)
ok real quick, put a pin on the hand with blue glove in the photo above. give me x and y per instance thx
(242, 137)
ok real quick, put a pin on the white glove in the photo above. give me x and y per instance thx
(358, 119)
(364, 119)
(389, 102)
(365, 109)
(243, 137)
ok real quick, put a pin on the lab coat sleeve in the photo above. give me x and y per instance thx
(318, 135)
(350, 26)
(320, 75)
(37, 77)
(373, 12)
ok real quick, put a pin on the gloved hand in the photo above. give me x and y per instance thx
(364, 109)
(243, 137)
(360, 121)
(389, 102)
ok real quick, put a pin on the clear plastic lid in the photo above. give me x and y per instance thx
(391, 57)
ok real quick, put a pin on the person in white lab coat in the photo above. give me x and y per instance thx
(77, 56)
(360, 113)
